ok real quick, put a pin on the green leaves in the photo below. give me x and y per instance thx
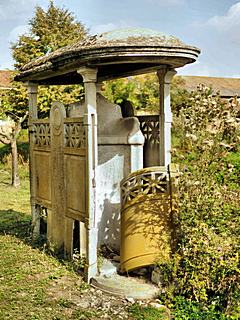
(208, 224)
(49, 30)
(142, 91)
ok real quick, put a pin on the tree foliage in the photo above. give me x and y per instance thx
(16, 99)
(49, 30)
(142, 91)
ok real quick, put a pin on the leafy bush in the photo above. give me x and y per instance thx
(205, 267)
(187, 310)
(138, 312)
(142, 91)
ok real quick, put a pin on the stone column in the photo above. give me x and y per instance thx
(32, 94)
(90, 121)
(165, 121)
(33, 115)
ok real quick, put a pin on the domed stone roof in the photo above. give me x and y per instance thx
(114, 53)
(130, 37)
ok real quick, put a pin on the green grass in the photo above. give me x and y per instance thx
(25, 277)
(27, 273)
(35, 285)
(12, 198)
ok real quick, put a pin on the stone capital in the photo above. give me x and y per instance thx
(88, 74)
(166, 75)
(32, 87)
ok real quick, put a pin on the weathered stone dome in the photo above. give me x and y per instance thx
(116, 53)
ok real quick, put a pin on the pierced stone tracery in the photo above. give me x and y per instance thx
(146, 183)
(149, 126)
(75, 135)
(41, 134)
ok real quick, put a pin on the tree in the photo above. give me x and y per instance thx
(9, 132)
(49, 30)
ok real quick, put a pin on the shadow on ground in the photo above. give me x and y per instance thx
(15, 223)
(18, 224)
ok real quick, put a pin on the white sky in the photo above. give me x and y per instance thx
(211, 25)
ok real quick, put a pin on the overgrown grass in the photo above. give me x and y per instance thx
(190, 310)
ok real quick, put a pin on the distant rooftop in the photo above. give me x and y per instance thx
(6, 77)
(228, 87)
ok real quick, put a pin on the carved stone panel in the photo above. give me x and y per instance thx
(41, 135)
(43, 175)
(75, 135)
(75, 175)
(150, 128)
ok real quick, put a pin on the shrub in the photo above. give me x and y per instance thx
(205, 267)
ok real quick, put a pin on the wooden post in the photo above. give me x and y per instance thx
(33, 115)
(90, 120)
(165, 116)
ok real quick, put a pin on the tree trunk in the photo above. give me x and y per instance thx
(15, 176)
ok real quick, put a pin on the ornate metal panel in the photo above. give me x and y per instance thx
(149, 182)
(147, 218)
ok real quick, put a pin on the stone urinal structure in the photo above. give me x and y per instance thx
(88, 163)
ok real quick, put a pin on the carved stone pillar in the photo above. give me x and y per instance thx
(90, 120)
(33, 114)
(165, 77)
(56, 220)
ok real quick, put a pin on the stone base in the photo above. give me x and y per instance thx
(127, 287)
